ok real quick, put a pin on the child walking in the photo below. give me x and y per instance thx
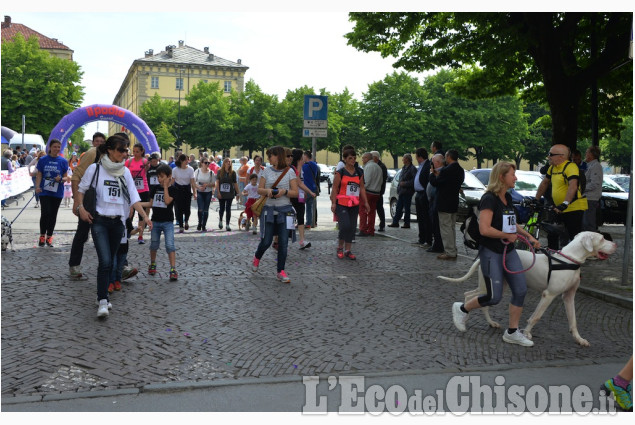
(251, 192)
(162, 203)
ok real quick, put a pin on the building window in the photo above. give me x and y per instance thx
(205, 81)
(155, 83)
(179, 83)
(228, 86)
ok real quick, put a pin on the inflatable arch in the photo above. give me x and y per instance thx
(81, 116)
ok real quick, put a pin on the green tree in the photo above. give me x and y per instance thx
(42, 87)
(291, 120)
(537, 143)
(254, 117)
(482, 128)
(206, 121)
(161, 116)
(619, 151)
(345, 126)
(547, 55)
(392, 114)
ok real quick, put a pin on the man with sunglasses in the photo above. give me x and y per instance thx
(570, 205)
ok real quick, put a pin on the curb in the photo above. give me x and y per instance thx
(608, 297)
(220, 383)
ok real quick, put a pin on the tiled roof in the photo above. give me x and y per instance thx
(11, 30)
(190, 56)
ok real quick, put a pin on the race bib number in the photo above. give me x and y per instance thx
(138, 183)
(51, 185)
(225, 187)
(111, 193)
(154, 180)
(352, 189)
(290, 221)
(509, 223)
(300, 195)
(159, 200)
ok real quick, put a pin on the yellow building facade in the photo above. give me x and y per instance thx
(172, 73)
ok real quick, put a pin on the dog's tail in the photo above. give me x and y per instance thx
(463, 278)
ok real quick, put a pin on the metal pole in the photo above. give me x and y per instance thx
(23, 129)
(313, 148)
(627, 234)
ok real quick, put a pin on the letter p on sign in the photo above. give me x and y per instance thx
(315, 107)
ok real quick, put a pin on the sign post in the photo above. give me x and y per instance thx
(315, 119)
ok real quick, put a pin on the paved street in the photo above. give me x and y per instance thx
(384, 313)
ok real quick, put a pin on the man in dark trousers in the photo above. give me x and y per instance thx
(405, 190)
(448, 182)
(421, 198)
(380, 202)
(438, 162)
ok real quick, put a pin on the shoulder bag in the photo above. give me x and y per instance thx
(257, 206)
(90, 197)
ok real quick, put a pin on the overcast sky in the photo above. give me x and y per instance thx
(285, 44)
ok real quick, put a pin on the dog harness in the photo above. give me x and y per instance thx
(563, 265)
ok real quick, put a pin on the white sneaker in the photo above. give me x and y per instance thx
(75, 272)
(305, 244)
(255, 231)
(459, 317)
(109, 304)
(517, 338)
(102, 311)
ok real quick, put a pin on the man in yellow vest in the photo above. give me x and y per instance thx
(569, 203)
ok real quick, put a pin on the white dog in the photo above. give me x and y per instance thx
(565, 282)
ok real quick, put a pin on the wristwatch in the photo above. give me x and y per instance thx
(565, 202)
(78, 207)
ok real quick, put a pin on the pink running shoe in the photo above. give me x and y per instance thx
(282, 277)
(255, 264)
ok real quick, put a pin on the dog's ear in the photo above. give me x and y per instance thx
(587, 242)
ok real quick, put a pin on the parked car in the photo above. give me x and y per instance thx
(613, 203)
(526, 184)
(325, 172)
(391, 174)
(624, 180)
(469, 195)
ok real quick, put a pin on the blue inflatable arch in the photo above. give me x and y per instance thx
(81, 116)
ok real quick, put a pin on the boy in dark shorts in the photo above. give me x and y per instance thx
(162, 203)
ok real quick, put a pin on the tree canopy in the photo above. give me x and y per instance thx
(42, 87)
(548, 56)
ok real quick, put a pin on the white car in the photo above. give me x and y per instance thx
(326, 172)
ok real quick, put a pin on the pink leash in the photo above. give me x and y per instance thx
(531, 248)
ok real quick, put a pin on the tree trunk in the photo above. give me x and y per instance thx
(395, 158)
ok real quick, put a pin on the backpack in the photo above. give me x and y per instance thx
(469, 228)
(581, 179)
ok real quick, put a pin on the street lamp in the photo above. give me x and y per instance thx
(178, 124)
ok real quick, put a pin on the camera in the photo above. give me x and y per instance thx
(274, 191)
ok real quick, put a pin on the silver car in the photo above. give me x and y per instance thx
(469, 195)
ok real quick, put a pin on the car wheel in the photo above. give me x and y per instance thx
(393, 207)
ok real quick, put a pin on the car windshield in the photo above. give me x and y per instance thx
(609, 185)
(527, 181)
(471, 182)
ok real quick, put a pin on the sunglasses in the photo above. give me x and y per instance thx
(122, 150)
(550, 154)
(289, 156)
(205, 162)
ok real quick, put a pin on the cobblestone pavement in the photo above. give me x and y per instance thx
(386, 311)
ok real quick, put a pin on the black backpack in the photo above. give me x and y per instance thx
(469, 228)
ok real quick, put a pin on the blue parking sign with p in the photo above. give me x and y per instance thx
(315, 107)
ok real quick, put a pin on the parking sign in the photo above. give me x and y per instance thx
(315, 107)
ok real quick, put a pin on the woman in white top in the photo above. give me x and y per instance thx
(205, 180)
(33, 172)
(115, 194)
(277, 216)
(183, 180)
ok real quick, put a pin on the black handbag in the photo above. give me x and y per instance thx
(90, 197)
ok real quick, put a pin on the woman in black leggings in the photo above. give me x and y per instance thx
(226, 190)
(49, 184)
(183, 180)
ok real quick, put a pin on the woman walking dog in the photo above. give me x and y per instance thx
(499, 231)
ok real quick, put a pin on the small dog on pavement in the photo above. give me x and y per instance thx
(242, 221)
(7, 236)
(565, 282)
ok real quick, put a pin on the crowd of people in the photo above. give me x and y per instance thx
(109, 184)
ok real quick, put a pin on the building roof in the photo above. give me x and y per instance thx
(186, 55)
(10, 30)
